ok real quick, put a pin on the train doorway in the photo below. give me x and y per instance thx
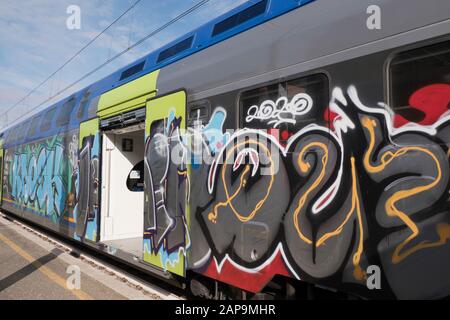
(123, 188)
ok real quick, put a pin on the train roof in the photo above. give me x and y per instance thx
(67, 113)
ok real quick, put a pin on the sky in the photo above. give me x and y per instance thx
(35, 41)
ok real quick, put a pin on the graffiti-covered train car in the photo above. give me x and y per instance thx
(286, 144)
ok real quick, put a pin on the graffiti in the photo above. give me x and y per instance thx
(159, 165)
(314, 217)
(357, 188)
(385, 160)
(212, 133)
(254, 156)
(165, 228)
(429, 103)
(281, 111)
(73, 152)
(87, 186)
(47, 178)
(39, 176)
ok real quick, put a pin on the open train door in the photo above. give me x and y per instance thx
(88, 181)
(166, 184)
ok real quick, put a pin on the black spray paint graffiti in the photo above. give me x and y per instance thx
(336, 204)
(165, 210)
(331, 201)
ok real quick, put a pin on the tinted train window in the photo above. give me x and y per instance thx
(92, 109)
(83, 105)
(6, 136)
(9, 136)
(420, 84)
(175, 49)
(23, 130)
(48, 117)
(199, 112)
(135, 180)
(34, 125)
(287, 106)
(240, 18)
(65, 111)
(12, 135)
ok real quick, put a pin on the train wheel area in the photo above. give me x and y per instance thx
(37, 267)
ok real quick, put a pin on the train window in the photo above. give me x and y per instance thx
(81, 112)
(12, 135)
(420, 84)
(199, 112)
(34, 125)
(286, 106)
(132, 70)
(6, 136)
(48, 117)
(92, 109)
(135, 180)
(175, 49)
(65, 111)
(23, 130)
(16, 133)
(239, 18)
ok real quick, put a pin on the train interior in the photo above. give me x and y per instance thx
(123, 189)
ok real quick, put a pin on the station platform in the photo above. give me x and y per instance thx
(34, 269)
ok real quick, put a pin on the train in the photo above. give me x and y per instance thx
(283, 149)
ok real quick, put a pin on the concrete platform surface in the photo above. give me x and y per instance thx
(33, 268)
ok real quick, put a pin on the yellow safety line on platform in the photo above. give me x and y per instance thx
(45, 270)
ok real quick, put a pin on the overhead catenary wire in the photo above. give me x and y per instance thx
(151, 34)
(76, 54)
